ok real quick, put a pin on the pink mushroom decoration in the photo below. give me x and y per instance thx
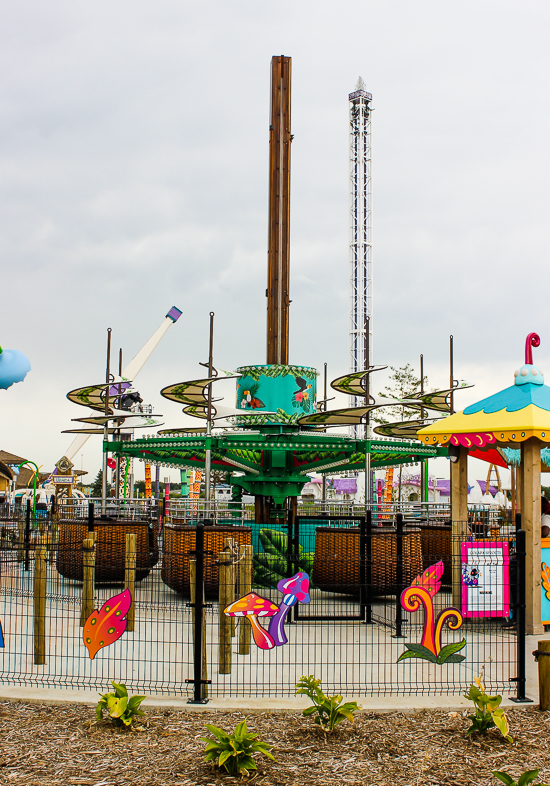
(253, 606)
(296, 590)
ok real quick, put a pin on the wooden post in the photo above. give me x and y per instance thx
(193, 593)
(519, 488)
(40, 576)
(459, 512)
(513, 490)
(88, 587)
(278, 255)
(227, 582)
(530, 522)
(245, 586)
(130, 577)
(544, 675)
(229, 545)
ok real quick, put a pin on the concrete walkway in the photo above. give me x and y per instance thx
(270, 704)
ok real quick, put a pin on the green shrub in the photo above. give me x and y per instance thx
(488, 713)
(527, 777)
(330, 711)
(234, 751)
(120, 707)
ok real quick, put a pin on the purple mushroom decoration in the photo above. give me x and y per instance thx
(295, 589)
(14, 366)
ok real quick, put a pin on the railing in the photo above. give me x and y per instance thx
(350, 627)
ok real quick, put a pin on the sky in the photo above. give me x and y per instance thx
(134, 177)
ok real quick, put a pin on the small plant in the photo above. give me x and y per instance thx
(488, 714)
(234, 751)
(120, 707)
(527, 777)
(331, 710)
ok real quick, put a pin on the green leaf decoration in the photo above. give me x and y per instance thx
(454, 659)
(417, 651)
(274, 542)
(449, 650)
(273, 563)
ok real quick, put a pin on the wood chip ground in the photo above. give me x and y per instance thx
(43, 745)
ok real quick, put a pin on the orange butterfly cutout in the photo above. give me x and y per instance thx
(107, 625)
(430, 580)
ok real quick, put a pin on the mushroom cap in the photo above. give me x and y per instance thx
(295, 589)
(251, 605)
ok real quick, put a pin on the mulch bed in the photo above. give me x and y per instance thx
(46, 745)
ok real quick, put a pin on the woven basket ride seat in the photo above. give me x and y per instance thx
(336, 564)
(437, 545)
(110, 551)
(179, 543)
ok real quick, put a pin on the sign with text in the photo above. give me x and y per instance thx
(63, 480)
(485, 579)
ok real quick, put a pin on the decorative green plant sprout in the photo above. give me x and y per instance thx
(120, 708)
(488, 713)
(329, 711)
(523, 780)
(234, 752)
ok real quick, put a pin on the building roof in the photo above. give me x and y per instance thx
(5, 471)
(10, 458)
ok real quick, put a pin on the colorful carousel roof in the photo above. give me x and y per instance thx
(511, 416)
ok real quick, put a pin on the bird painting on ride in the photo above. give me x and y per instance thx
(249, 399)
(301, 396)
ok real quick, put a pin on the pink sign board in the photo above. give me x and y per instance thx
(485, 579)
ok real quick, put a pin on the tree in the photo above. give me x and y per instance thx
(403, 383)
(97, 486)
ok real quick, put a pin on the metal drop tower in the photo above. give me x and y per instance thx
(360, 237)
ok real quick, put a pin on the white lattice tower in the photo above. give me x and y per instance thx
(360, 241)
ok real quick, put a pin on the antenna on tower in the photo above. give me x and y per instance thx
(360, 239)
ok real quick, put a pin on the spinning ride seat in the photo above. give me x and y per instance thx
(337, 560)
(179, 543)
(110, 549)
(437, 545)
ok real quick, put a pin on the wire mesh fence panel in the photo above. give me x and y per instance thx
(403, 608)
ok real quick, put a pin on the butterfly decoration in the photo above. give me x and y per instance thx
(107, 625)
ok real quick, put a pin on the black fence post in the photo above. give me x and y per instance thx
(294, 611)
(28, 535)
(199, 617)
(289, 541)
(521, 554)
(90, 516)
(368, 568)
(399, 578)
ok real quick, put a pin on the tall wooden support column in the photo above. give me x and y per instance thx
(530, 521)
(279, 213)
(459, 513)
(519, 488)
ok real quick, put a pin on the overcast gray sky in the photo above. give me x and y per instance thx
(134, 171)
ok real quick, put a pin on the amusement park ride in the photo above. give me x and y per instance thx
(277, 434)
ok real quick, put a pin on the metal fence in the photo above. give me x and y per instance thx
(355, 627)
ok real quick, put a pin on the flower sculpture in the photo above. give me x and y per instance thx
(421, 593)
(14, 367)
